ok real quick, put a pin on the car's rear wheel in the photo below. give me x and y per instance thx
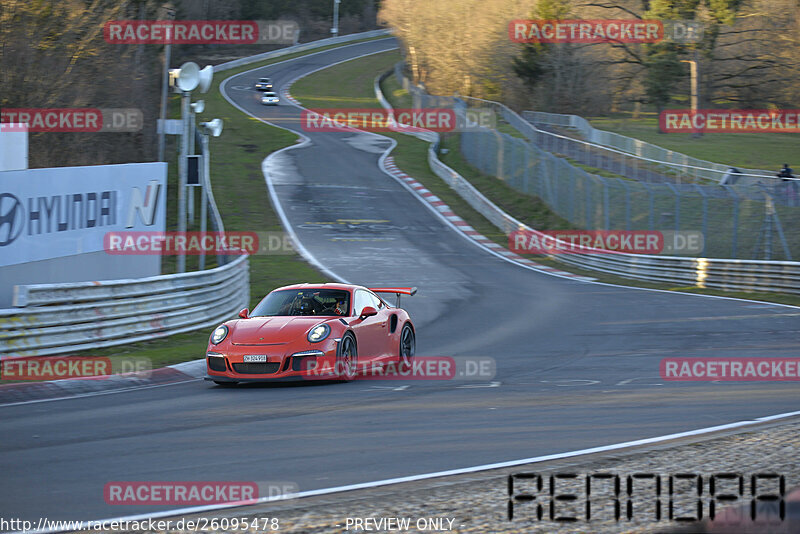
(225, 384)
(347, 358)
(408, 345)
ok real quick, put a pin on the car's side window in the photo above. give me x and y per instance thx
(361, 301)
(376, 302)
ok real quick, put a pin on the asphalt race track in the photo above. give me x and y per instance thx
(577, 364)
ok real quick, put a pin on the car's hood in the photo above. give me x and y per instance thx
(272, 330)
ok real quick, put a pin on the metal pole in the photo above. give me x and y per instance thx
(185, 110)
(169, 14)
(204, 199)
(163, 112)
(335, 29)
(693, 73)
(768, 220)
(695, 97)
(190, 189)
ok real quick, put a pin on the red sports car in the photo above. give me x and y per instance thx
(312, 331)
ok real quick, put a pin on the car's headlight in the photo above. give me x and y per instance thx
(318, 333)
(219, 334)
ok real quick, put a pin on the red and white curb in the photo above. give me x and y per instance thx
(286, 95)
(30, 392)
(464, 227)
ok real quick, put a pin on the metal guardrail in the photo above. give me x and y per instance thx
(57, 318)
(729, 275)
(725, 274)
(300, 48)
(646, 152)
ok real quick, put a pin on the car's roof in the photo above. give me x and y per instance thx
(263, 79)
(269, 93)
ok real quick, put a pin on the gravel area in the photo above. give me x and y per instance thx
(479, 502)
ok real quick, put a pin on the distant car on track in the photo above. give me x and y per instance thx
(269, 99)
(312, 331)
(264, 84)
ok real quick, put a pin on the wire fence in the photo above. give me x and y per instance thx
(637, 154)
(744, 221)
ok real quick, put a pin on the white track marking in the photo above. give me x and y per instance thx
(438, 474)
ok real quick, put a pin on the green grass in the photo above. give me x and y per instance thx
(593, 170)
(348, 85)
(394, 93)
(242, 198)
(755, 151)
(503, 126)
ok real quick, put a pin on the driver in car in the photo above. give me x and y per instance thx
(340, 308)
(307, 306)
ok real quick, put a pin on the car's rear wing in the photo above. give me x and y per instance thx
(396, 290)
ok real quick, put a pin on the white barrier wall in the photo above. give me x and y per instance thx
(13, 146)
(53, 221)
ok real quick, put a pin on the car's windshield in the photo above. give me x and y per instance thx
(264, 80)
(313, 301)
(269, 95)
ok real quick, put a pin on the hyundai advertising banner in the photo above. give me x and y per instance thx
(63, 211)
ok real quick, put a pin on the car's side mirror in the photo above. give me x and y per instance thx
(244, 314)
(368, 311)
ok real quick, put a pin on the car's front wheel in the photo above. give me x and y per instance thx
(347, 358)
(408, 345)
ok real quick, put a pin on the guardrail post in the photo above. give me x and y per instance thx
(677, 205)
(573, 192)
(523, 164)
(652, 201)
(588, 192)
(518, 162)
(627, 204)
(705, 217)
(606, 207)
(735, 228)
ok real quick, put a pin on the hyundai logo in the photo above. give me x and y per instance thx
(12, 218)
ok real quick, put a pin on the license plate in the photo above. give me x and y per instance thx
(255, 358)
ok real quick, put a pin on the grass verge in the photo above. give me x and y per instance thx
(751, 150)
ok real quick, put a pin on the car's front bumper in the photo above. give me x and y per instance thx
(216, 378)
(318, 363)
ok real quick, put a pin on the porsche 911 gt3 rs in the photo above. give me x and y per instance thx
(312, 331)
